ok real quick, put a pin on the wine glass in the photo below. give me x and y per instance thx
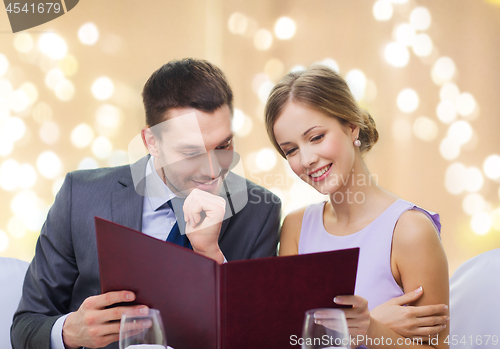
(325, 328)
(142, 331)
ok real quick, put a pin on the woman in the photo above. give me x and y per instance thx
(316, 125)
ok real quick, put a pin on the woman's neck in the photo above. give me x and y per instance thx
(356, 196)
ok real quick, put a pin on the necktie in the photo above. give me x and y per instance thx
(175, 235)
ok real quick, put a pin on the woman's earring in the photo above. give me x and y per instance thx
(357, 142)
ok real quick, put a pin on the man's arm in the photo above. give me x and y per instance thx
(49, 280)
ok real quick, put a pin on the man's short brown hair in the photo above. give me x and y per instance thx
(186, 83)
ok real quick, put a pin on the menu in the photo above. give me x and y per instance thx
(258, 303)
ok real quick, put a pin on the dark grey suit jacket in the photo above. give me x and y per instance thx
(65, 271)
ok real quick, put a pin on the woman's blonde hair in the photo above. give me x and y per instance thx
(320, 88)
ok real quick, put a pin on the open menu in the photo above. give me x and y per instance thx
(257, 303)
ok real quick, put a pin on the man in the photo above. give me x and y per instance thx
(61, 306)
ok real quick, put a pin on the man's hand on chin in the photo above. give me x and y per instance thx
(204, 213)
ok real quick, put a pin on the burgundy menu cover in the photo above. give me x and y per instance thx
(257, 303)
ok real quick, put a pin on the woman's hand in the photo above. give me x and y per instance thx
(358, 317)
(424, 321)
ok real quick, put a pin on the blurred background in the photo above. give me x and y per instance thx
(427, 71)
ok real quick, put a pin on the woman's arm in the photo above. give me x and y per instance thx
(424, 321)
(418, 259)
(290, 233)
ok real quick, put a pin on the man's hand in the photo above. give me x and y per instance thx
(94, 326)
(204, 213)
(412, 321)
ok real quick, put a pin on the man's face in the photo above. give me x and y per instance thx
(195, 149)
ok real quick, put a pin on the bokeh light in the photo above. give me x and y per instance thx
(108, 120)
(396, 54)
(408, 100)
(251, 29)
(449, 92)
(42, 112)
(460, 131)
(13, 129)
(49, 165)
(474, 203)
(23, 42)
(238, 120)
(264, 91)
(88, 34)
(491, 167)
(65, 90)
(101, 147)
(247, 127)
(103, 88)
(258, 80)
(455, 178)
(449, 148)
(26, 176)
(6, 146)
(238, 23)
(263, 39)
(466, 104)
(481, 223)
(285, 28)
(329, 62)
(473, 180)
(443, 70)
(82, 135)
(31, 91)
(265, 159)
(404, 34)
(49, 132)
(382, 10)
(422, 45)
(425, 128)
(4, 64)
(88, 163)
(446, 111)
(68, 65)
(53, 77)
(356, 80)
(16, 227)
(420, 18)
(18, 101)
(29, 213)
(5, 89)
(52, 45)
(118, 158)
(8, 174)
(298, 67)
(275, 69)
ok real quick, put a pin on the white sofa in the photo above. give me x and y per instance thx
(12, 273)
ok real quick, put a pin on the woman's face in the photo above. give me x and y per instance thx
(318, 148)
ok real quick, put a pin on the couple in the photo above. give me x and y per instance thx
(314, 122)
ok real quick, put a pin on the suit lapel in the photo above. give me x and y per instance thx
(126, 203)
